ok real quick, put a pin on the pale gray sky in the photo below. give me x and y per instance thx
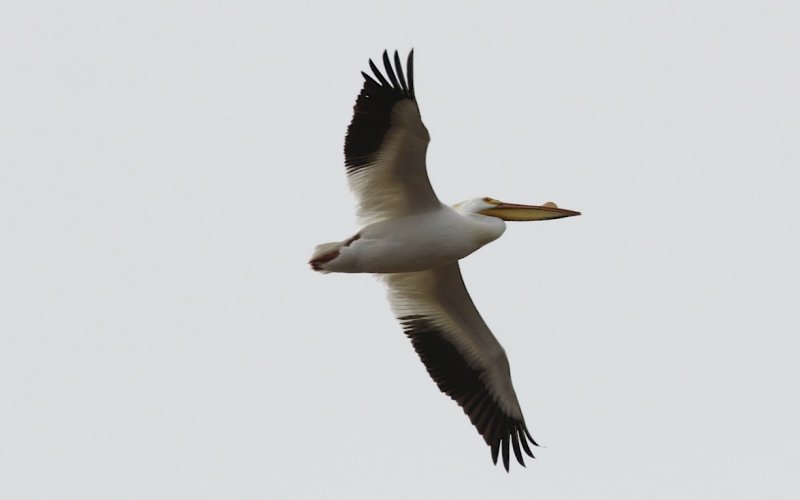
(167, 167)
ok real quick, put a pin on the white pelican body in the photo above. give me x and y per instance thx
(414, 242)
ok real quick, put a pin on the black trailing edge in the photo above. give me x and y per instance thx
(463, 384)
(372, 113)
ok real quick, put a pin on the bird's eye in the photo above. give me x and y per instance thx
(491, 201)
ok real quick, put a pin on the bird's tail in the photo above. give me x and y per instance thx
(323, 254)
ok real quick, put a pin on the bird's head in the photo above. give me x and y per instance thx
(513, 211)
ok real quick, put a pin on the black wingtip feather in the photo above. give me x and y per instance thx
(410, 70)
(504, 442)
(378, 74)
(524, 443)
(387, 64)
(530, 437)
(517, 451)
(400, 75)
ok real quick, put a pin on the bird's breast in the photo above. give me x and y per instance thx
(412, 243)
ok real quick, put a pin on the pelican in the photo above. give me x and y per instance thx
(413, 242)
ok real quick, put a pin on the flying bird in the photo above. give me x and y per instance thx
(414, 242)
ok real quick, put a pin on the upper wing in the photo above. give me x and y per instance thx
(385, 146)
(462, 356)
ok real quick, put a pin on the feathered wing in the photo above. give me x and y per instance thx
(461, 355)
(385, 146)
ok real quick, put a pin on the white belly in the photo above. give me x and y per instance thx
(412, 243)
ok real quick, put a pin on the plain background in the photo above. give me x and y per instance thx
(167, 167)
